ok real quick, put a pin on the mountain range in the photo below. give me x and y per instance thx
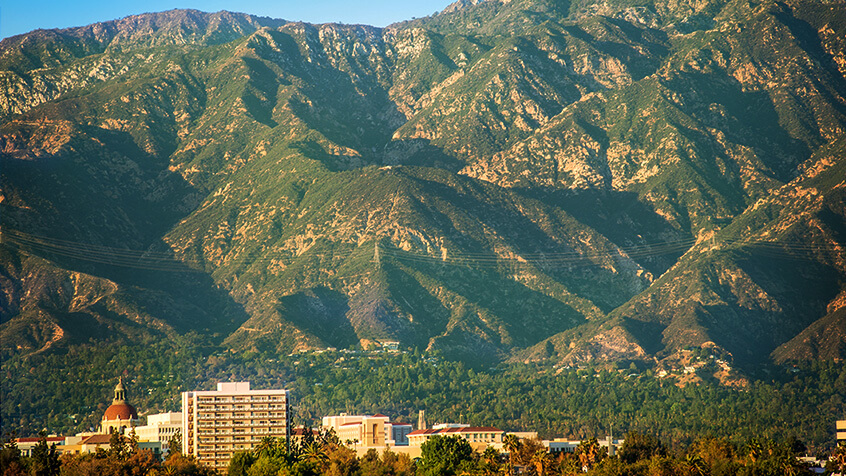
(529, 180)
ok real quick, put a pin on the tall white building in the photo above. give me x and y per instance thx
(217, 423)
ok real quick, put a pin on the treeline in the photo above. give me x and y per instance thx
(640, 455)
(322, 454)
(39, 392)
(123, 458)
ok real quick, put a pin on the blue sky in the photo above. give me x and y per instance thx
(21, 16)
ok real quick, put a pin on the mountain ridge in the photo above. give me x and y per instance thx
(581, 183)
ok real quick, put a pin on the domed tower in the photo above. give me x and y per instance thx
(120, 415)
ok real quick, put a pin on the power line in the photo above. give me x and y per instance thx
(169, 261)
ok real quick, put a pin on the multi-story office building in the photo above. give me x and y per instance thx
(841, 431)
(217, 423)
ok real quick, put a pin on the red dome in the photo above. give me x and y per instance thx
(120, 411)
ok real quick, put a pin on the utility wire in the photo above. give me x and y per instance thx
(168, 261)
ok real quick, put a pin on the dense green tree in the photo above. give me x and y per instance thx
(45, 458)
(178, 464)
(590, 453)
(491, 461)
(713, 456)
(342, 462)
(119, 447)
(240, 463)
(266, 466)
(444, 455)
(174, 444)
(398, 464)
(10, 457)
(639, 446)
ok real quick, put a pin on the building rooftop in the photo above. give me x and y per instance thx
(97, 440)
(34, 439)
(454, 430)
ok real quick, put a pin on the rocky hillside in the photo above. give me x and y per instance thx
(527, 179)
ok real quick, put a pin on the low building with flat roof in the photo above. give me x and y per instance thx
(368, 431)
(479, 437)
(25, 445)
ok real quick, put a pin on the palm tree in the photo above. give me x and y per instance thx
(838, 459)
(511, 444)
(266, 446)
(540, 460)
(491, 456)
(696, 463)
(755, 449)
(316, 452)
(588, 451)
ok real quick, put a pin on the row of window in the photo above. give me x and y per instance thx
(215, 416)
(275, 426)
(228, 421)
(228, 439)
(254, 398)
(215, 456)
(229, 408)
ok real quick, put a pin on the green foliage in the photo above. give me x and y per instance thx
(565, 403)
(638, 447)
(240, 463)
(444, 455)
(10, 456)
(45, 459)
(315, 455)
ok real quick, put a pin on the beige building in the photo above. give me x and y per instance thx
(217, 423)
(25, 445)
(841, 431)
(479, 437)
(368, 431)
(160, 428)
(91, 443)
(562, 445)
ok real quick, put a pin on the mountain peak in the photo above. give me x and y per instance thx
(461, 4)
